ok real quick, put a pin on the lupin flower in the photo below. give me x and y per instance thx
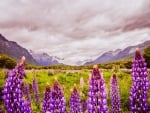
(75, 102)
(12, 93)
(139, 89)
(26, 91)
(1, 110)
(36, 92)
(97, 97)
(115, 95)
(57, 101)
(46, 99)
(84, 105)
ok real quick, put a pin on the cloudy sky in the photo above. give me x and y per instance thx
(75, 30)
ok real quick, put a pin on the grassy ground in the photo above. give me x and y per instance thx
(68, 79)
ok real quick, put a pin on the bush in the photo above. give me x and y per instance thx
(147, 55)
(6, 62)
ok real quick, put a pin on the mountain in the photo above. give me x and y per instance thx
(118, 54)
(14, 50)
(82, 62)
(44, 59)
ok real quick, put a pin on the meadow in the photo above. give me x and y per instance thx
(67, 80)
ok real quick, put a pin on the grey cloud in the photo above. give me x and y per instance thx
(138, 22)
(75, 29)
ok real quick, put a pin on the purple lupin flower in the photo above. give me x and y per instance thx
(139, 89)
(46, 99)
(1, 110)
(97, 97)
(115, 95)
(57, 101)
(75, 102)
(84, 105)
(12, 93)
(36, 92)
(26, 92)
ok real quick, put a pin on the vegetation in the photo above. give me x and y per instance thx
(124, 63)
(67, 81)
(147, 55)
(70, 75)
(6, 62)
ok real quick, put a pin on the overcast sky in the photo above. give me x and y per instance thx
(75, 30)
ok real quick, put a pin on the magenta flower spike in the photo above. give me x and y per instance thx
(75, 102)
(97, 97)
(26, 92)
(139, 89)
(115, 95)
(12, 92)
(57, 101)
(36, 92)
(46, 99)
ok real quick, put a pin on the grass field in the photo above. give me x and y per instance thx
(67, 80)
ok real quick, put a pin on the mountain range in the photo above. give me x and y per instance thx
(16, 51)
(44, 59)
(118, 54)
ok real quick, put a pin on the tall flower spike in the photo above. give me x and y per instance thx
(115, 95)
(97, 97)
(1, 110)
(75, 102)
(46, 99)
(36, 92)
(139, 89)
(26, 91)
(57, 101)
(84, 104)
(13, 96)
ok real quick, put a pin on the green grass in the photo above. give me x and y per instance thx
(67, 81)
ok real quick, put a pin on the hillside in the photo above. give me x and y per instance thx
(118, 54)
(14, 50)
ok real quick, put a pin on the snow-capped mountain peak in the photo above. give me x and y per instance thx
(44, 59)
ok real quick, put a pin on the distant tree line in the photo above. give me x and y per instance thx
(7, 62)
(126, 63)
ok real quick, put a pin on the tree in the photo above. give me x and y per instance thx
(147, 56)
(6, 62)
